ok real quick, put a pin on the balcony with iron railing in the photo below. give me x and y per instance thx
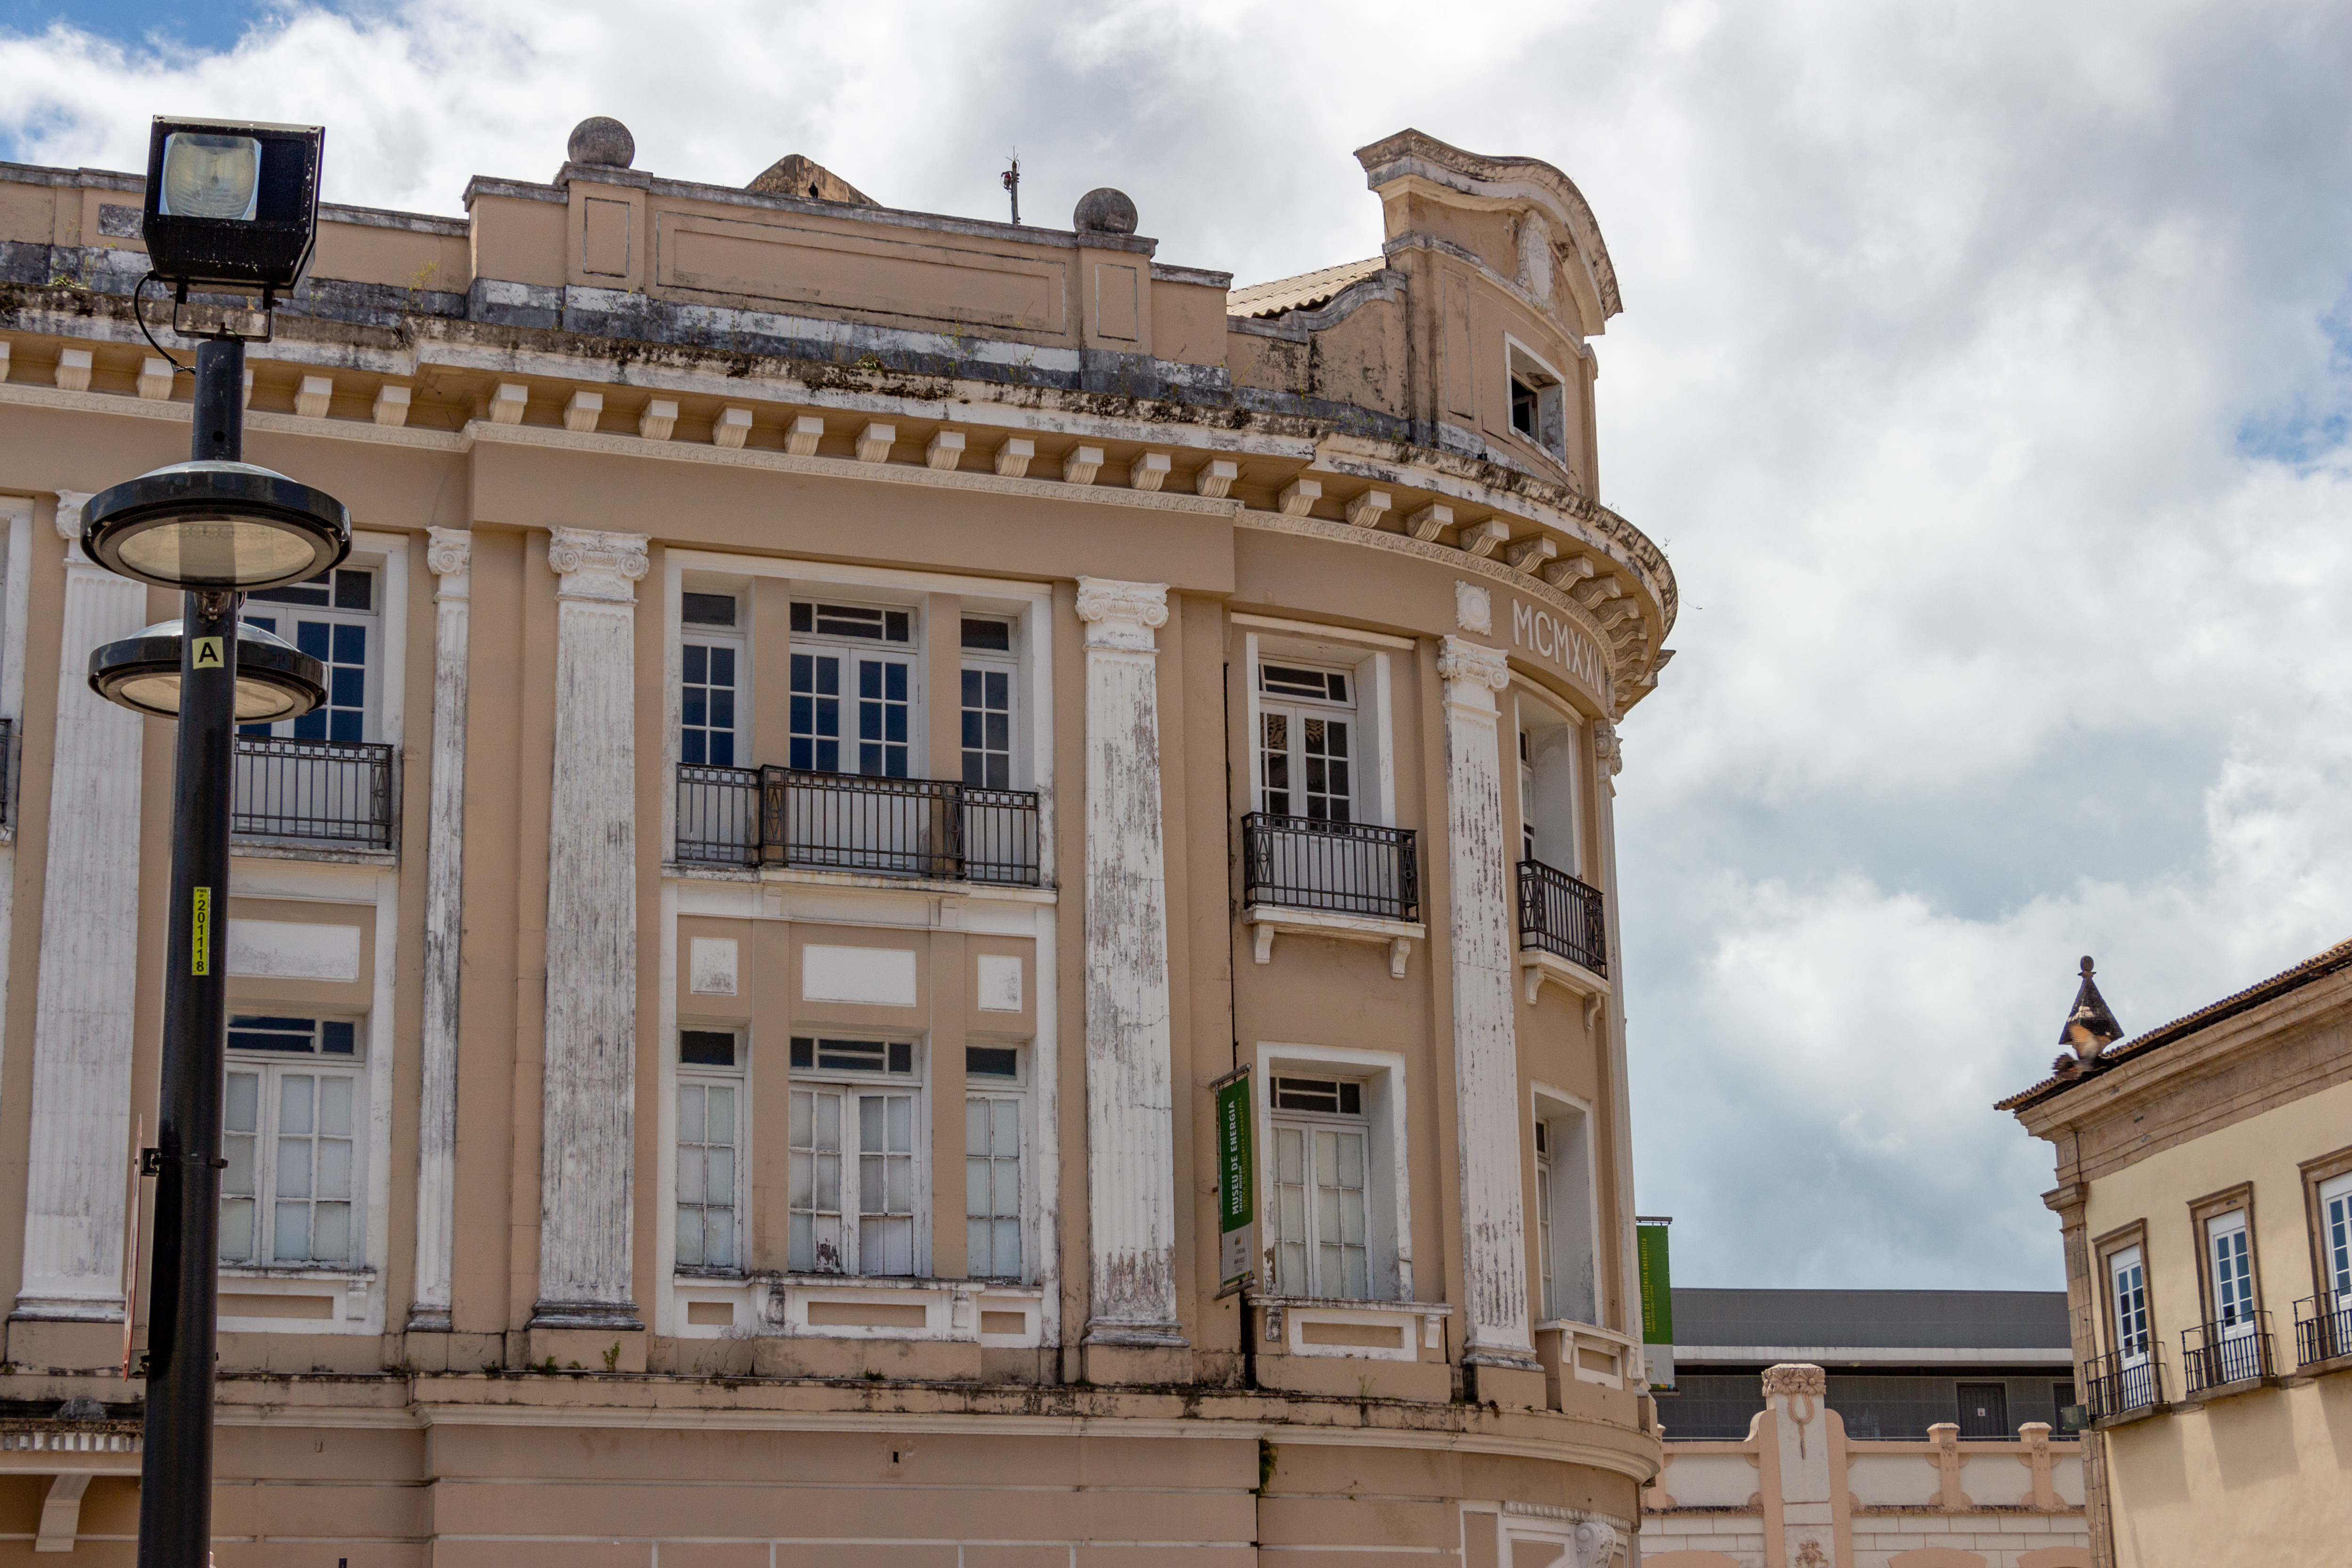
(1563, 934)
(2223, 1357)
(934, 829)
(332, 795)
(2323, 1331)
(1309, 876)
(2117, 1389)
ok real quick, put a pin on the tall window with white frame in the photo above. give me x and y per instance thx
(1549, 1307)
(854, 689)
(709, 1150)
(334, 617)
(857, 1157)
(993, 1149)
(1321, 1232)
(2232, 1259)
(2128, 1301)
(711, 665)
(294, 1104)
(1306, 742)
(2335, 1239)
(988, 683)
(1566, 1256)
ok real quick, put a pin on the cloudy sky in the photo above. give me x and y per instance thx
(1985, 370)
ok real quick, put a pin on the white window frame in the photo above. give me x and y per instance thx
(374, 621)
(1521, 363)
(2122, 1306)
(1007, 664)
(1316, 1179)
(913, 654)
(2336, 1236)
(2230, 1269)
(271, 1068)
(698, 1075)
(1551, 787)
(737, 637)
(850, 1085)
(1387, 1198)
(1571, 1129)
(1366, 657)
(1016, 1089)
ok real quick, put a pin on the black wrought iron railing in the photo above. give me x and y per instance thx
(933, 827)
(2216, 1355)
(2323, 1328)
(1338, 868)
(1563, 915)
(334, 793)
(2116, 1385)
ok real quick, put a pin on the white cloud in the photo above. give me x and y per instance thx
(1985, 369)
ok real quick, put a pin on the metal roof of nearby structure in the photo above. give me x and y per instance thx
(2318, 966)
(1303, 292)
(1865, 1325)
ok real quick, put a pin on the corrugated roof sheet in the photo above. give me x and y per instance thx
(2316, 968)
(1863, 1320)
(1303, 292)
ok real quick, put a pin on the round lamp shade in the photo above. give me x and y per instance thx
(215, 526)
(275, 680)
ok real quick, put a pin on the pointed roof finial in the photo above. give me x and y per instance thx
(2091, 1026)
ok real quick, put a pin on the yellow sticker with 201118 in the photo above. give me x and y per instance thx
(200, 936)
(208, 654)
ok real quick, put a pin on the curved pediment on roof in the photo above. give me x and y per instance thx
(1528, 182)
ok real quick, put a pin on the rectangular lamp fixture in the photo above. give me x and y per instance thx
(232, 201)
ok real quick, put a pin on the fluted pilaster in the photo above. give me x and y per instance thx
(449, 554)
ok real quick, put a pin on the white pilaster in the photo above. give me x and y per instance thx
(1131, 1157)
(449, 555)
(588, 1094)
(77, 1166)
(1486, 1052)
(1608, 761)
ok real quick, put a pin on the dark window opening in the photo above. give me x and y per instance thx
(1524, 399)
(705, 1048)
(707, 608)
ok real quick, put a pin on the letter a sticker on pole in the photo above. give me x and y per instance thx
(1236, 1183)
(208, 653)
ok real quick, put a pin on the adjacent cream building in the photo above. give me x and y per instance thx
(2205, 1197)
(845, 726)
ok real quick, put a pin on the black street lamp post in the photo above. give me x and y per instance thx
(232, 204)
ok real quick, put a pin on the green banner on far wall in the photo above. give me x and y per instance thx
(1657, 1301)
(1236, 1183)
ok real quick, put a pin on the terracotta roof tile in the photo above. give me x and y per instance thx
(1303, 292)
(2316, 968)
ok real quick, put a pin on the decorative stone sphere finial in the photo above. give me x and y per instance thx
(1104, 211)
(601, 139)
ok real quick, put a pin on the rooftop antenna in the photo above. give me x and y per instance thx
(1012, 185)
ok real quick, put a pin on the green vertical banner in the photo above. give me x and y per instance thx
(1657, 1302)
(1236, 1182)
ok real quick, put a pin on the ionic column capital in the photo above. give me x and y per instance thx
(1122, 615)
(597, 566)
(449, 555)
(1473, 672)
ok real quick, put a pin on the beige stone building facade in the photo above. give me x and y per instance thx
(2205, 1197)
(846, 726)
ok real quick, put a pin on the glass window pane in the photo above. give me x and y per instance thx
(334, 1167)
(293, 1167)
(902, 1124)
(291, 1243)
(690, 1235)
(294, 1091)
(335, 1107)
(1008, 1249)
(689, 1175)
(330, 1232)
(237, 1231)
(1006, 1114)
(238, 1177)
(1007, 1199)
(690, 1113)
(243, 1110)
